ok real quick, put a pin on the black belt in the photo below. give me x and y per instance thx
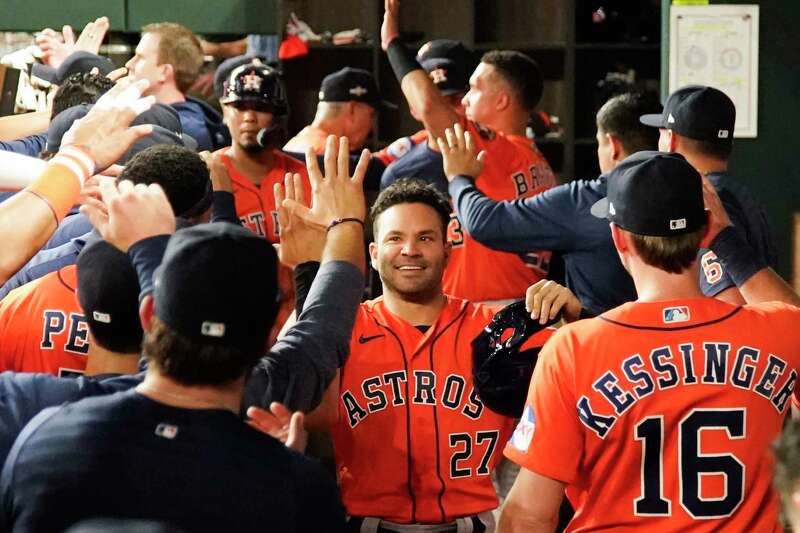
(354, 524)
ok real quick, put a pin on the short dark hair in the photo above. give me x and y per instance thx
(192, 362)
(521, 72)
(619, 116)
(79, 88)
(672, 254)
(717, 150)
(412, 191)
(181, 173)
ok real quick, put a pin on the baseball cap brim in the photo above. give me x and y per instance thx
(384, 104)
(600, 208)
(654, 120)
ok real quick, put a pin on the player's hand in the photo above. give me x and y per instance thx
(301, 241)
(104, 131)
(281, 424)
(217, 171)
(336, 194)
(390, 29)
(458, 153)
(718, 218)
(92, 36)
(546, 298)
(126, 213)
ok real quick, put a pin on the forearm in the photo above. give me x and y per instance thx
(511, 521)
(756, 281)
(420, 92)
(18, 126)
(304, 275)
(302, 364)
(345, 242)
(145, 257)
(28, 219)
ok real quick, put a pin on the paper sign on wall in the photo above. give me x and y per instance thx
(718, 46)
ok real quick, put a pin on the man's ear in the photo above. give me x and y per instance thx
(373, 255)
(503, 100)
(616, 147)
(619, 238)
(146, 312)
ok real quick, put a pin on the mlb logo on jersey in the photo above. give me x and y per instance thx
(523, 435)
(676, 314)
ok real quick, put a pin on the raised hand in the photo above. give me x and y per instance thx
(546, 298)
(336, 195)
(281, 424)
(104, 132)
(128, 213)
(301, 241)
(390, 29)
(458, 153)
(55, 50)
(718, 218)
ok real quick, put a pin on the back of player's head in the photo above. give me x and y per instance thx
(619, 117)
(181, 173)
(215, 300)
(658, 198)
(178, 47)
(108, 291)
(520, 72)
(703, 116)
(411, 191)
(80, 88)
(787, 469)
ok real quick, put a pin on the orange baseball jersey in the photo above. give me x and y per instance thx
(413, 442)
(42, 328)
(255, 207)
(659, 416)
(475, 272)
(400, 147)
(308, 136)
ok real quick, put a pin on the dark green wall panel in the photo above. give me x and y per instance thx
(32, 15)
(204, 16)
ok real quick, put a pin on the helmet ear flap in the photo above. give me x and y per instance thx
(501, 371)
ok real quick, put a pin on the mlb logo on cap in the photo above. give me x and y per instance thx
(677, 224)
(212, 329)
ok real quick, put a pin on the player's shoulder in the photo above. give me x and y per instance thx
(772, 310)
(289, 163)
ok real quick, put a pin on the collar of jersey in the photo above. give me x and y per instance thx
(650, 315)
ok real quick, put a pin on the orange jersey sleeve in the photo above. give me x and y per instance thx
(476, 272)
(400, 147)
(661, 415)
(42, 327)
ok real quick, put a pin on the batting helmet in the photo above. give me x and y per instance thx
(501, 372)
(257, 83)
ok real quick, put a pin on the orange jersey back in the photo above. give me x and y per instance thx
(413, 442)
(659, 416)
(512, 169)
(400, 147)
(255, 207)
(42, 328)
(308, 136)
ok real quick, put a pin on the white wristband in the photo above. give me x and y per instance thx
(77, 160)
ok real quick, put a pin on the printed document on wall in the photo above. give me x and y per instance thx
(717, 45)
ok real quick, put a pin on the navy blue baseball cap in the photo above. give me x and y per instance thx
(449, 63)
(698, 112)
(352, 85)
(654, 193)
(77, 62)
(223, 73)
(218, 285)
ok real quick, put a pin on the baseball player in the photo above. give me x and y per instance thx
(449, 64)
(511, 171)
(659, 413)
(404, 404)
(255, 109)
(697, 122)
(348, 105)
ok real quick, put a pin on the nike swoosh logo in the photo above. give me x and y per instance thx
(363, 340)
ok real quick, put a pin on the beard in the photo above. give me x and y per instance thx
(252, 148)
(418, 291)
